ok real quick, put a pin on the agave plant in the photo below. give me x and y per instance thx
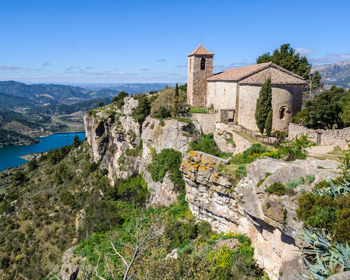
(322, 269)
(333, 190)
(330, 258)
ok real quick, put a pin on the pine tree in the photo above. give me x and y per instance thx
(76, 141)
(268, 124)
(176, 104)
(263, 105)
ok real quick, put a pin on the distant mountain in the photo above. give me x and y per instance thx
(40, 94)
(12, 102)
(337, 74)
(63, 109)
(130, 88)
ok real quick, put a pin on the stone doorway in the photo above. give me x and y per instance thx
(227, 115)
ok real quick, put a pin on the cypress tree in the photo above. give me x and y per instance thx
(176, 104)
(268, 124)
(263, 105)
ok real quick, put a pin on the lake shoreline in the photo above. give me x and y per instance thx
(12, 156)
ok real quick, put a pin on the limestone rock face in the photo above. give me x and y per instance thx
(268, 220)
(69, 269)
(162, 193)
(171, 134)
(222, 132)
(110, 136)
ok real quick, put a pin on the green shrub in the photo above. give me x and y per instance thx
(296, 149)
(167, 160)
(136, 152)
(279, 189)
(310, 179)
(119, 99)
(100, 216)
(250, 154)
(142, 110)
(132, 189)
(180, 233)
(163, 113)
(241, 172)
(32, 165)
(263, 180)
(231, 141)
(326, 212)
(205, 144)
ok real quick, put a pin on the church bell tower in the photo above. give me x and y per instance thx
(199, 69)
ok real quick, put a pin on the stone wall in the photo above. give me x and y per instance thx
(329, 137)
(197, 79)
(206, 121)
(283, 96)
(222, 95)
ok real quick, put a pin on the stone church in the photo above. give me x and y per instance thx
(234, 92)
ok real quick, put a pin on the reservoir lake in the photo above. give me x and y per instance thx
(10, 156)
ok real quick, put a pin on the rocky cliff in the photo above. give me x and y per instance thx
(245, 207)
(110, 132)
(269, 220)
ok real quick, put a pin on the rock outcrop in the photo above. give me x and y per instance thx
(269, 220)
(223, 133)
(161, 193)
(110, 132)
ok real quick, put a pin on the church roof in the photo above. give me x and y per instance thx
(258, 73)
(200, 50)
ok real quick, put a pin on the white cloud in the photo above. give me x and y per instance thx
(9, 67)
(302, 51)
(181, 66)
(74, 67)
(161, 60)
(145, 69)
(47, 63)
(331, 58)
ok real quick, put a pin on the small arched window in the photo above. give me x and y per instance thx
(203, 63)
(282, 113)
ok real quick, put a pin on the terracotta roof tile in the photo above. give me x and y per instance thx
(200, 50)
(257, 74)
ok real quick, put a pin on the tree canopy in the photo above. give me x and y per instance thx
(327, 109)
(288, 59)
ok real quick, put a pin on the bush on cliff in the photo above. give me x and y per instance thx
(168, 160)
(326, 212)
(142, 110)
(167, 103)
(205, 144)
(119, 99)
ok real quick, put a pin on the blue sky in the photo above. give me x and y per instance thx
(116, 41)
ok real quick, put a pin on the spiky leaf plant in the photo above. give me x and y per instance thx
(341, 188)
(330, 257)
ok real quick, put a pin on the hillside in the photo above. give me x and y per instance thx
(130, 88)
(13, 102)
(41, 94)
(173, 202)
(15, 129)
(337, 74)
(63, 109)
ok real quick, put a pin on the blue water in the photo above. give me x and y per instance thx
(10, 156)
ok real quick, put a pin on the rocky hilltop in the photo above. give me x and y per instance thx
(337, 73)
(270, 221)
